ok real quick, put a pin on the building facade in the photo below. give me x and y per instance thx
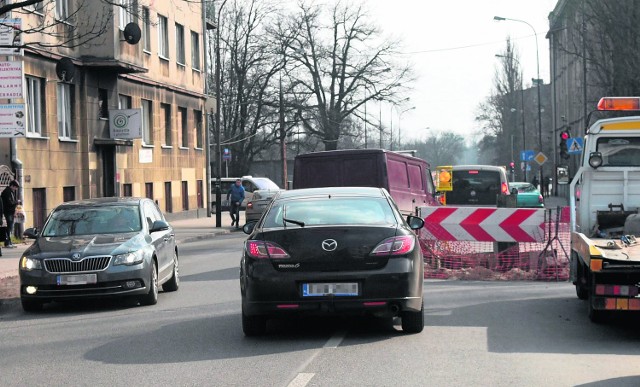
(71, 90)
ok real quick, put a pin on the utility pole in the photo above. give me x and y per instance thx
(217, 123)
(283, 137)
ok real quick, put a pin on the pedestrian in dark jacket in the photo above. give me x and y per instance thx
(9, 203)
(236, 194)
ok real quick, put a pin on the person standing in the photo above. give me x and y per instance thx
(236, 193)
(9, 203)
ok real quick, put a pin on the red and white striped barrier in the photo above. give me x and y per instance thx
(483, 224)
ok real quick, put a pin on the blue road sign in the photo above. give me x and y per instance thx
(526, 155)
(226, 154)
(574, 145)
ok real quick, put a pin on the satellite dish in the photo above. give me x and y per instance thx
(65, 69)
(132, 33)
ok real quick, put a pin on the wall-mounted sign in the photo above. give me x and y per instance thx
(11, 79)
(10, 35)
(145, 156)
(125, 123)
(13, 120)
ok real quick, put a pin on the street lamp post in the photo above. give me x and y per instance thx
(400, 127)
(538, 81)
(393, 105)
(217, 123)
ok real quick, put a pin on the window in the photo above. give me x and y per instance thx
(62, 9)
(195, 50)
(179, 44)
(127, 190)
(37, 7)
(185, 196)
(65, 102)
(148, 190)
(168, 197)
(35, 105)
(68, 194)
(200, 200)
(147, 122)
(128, 11)
(103, 103)
(197, 118)
(146, 29)
(166, 115)
(184, 129)
(163, 37)
(124, 101)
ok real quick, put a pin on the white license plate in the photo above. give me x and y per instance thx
(333, 289)
(77, 279)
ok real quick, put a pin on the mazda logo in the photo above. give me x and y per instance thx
(329, 245)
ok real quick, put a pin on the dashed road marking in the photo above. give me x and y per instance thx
(301, 380)
(335, 340)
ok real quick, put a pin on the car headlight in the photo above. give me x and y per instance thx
(131, 258)
(29, 264)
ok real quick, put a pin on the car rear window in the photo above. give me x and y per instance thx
(474, 187)
(99, 220)
(330, 211)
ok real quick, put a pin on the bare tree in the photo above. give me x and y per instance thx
(70, 27)
(336, 64)
(441, 149)
(497, 113)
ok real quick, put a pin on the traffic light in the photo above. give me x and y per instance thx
(512, 167)
(564, 151)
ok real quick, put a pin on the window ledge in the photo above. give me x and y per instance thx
(184, 148)
(198, 149)
(197, 70)
(148, 52)
(167, 147)
(71, 140)
(147, 145)
(181, 65)
(36, 137)
(163, 58)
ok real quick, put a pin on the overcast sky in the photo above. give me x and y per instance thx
(452, 45)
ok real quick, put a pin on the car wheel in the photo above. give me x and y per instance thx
(253, 325)
(151, 298)
(31, 305)
(174, 282)
(413, 322)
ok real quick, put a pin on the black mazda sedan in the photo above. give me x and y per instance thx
(338, 250)
(100, 248)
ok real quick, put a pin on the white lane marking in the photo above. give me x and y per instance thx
(335, 340)
(301, 380)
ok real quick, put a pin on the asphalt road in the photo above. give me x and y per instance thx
(477, 333)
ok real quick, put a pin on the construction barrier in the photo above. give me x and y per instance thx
(495, 243)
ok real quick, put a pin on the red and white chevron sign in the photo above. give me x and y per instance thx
(483, 224)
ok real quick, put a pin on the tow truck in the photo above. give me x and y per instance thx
(604, 199)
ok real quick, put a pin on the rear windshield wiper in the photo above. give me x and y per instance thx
(299, 223)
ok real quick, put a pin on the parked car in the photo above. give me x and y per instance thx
(475, 185)
(258, 203)
(250, 184)
(100, 248)
(343, 250)
(406, 178)
(528, 195)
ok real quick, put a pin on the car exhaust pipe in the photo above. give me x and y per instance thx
(395, 308)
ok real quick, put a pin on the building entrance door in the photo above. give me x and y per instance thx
(109, 171)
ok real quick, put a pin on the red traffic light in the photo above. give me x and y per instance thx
(565, 135)
(512, 164)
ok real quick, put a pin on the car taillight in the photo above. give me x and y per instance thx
(261, 250)
(250, 205)
(505, 189)
(399, 245)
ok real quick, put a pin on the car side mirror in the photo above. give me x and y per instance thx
(159, 225)
(248, 228)
(31, 233)
(415, 222)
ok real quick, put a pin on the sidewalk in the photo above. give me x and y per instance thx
(186, 230)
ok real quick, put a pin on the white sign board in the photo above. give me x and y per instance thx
(11, 79)
(125, 123)
(10, 35)
(13, 119)
(145, 156)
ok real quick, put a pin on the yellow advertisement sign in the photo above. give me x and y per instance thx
(445, 182)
